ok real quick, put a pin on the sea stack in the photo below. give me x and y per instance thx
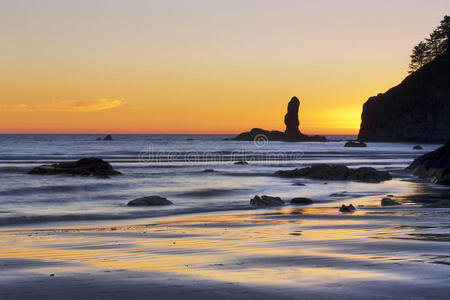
(291, 134)
(291, 117)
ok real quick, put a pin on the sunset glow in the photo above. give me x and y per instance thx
(208, 67)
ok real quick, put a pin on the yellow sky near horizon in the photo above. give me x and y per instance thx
(201, 66)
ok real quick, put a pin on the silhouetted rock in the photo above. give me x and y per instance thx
(347, 208)
(291, 118)
(85, 167)
(301, 201)
(149, 201)
(98, 139)
(291, 134)
(355, 144)
(417, 109)
(389, 202)
(108, 138)
(265, 201)
(417, 147)
(336, 172)
(208, 171)
(241, 162)
(433, 166)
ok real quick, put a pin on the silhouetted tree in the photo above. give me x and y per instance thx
(418, 57)
(444, 29)
(434, 44)
(432, 47)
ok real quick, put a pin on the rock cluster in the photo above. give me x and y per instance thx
(337, 172)
(84, 167)
(266, 201)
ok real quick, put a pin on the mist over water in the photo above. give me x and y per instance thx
(173, 166)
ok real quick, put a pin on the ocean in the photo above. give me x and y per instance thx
(173, 166)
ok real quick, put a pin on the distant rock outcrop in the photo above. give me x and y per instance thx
(291, 134)
(433, 166)
(417, 109)
(355, 144)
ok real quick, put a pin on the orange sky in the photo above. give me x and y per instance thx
(201, 66)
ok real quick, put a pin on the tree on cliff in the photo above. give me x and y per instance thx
(419, 56)
(436, 44)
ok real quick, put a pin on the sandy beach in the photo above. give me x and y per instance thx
(285, 253)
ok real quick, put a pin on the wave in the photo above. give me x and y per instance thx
(135, 214)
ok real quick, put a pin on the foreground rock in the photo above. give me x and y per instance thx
(85, 167)
(337, 172)
(265, 201)
(355, 144)
(433, 166)
(417, 147)
(389, 202)
(241, 162)
(415, 110)
(291, 134)
(149, 201)
(301, 201)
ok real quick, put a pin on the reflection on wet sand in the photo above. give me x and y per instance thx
(273, 247)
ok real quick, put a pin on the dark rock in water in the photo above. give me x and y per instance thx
(291, 134)
(336, 172)
(389, 202)
(98, 139)
(433, 166)
(301, 201)
(347, 208)
(208, 171)
(85, 167)
(241, 162)
(149, 201)
(355, 144)
(417, 147)
(108, 138)
(266, 201)
(299, 184)
(417, 109)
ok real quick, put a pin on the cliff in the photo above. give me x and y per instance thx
(416, 110)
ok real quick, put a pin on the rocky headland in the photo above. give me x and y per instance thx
(416, 110)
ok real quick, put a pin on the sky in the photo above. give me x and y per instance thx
(201, 66)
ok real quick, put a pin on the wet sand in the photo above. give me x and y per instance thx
(286, 253)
